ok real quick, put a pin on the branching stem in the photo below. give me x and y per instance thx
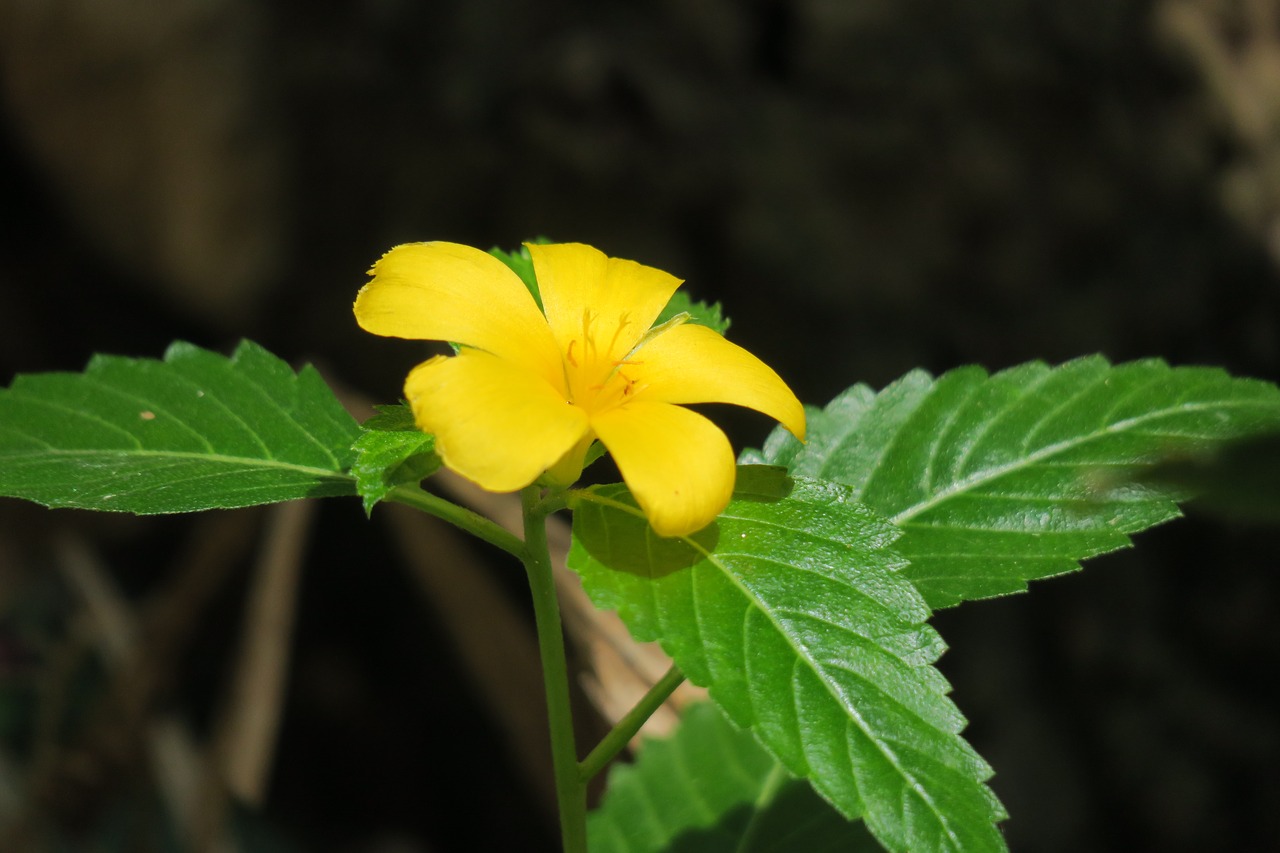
(459, 516)
(571, 776)
(626, 729)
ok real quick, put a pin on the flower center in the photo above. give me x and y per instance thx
(596, 361)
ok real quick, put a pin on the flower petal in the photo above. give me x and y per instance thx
(574, 279)
(449, 292)
(678, 465)
(693, 364)
(495, 423)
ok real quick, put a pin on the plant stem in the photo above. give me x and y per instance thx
(474, 523)
(626, 728)
(773, 783)
(571, 791)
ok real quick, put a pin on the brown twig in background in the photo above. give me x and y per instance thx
(249, 719)
(175, 762)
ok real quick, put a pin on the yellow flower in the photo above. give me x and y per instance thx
(529, 392)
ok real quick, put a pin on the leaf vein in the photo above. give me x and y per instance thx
(983, 475)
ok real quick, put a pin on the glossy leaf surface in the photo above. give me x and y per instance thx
(793, 610)
(195, 431)
(996, 480)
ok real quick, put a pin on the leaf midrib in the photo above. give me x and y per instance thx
(986, 475)
(854, 716)
(216, 458)
(908, 778)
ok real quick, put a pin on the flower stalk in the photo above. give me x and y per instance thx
(571, 789)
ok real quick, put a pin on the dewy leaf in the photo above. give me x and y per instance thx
(391, 451)
(998, 480)
(793, 611)
(710, 788)
(195, 431)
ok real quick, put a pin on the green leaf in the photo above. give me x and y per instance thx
(699, 312)
(195, 431)
(793, 611)
(998, 480)
(391, 451)
(710, 788)
(521, 263)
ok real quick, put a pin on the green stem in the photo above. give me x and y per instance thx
(622, 733)
(571, 791)
(773, 783)
(474, 523)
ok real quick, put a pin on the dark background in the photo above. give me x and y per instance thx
(868, 186)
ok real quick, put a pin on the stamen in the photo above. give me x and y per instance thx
(624, 320)
(568, 354)
(629, 388)
(588, 340)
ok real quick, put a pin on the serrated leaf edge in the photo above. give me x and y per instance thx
(815, 670)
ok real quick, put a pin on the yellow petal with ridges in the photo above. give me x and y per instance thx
(623, 298)
(693, 364)
(495, 423)
(678, 465)
(449, 292)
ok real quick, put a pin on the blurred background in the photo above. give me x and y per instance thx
(868, 186)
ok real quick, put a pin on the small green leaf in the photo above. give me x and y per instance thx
(793, 611)
(521, 264)
(998, 480)
(391, 451)
(699, 312)
(710, 788)
(195, 431)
